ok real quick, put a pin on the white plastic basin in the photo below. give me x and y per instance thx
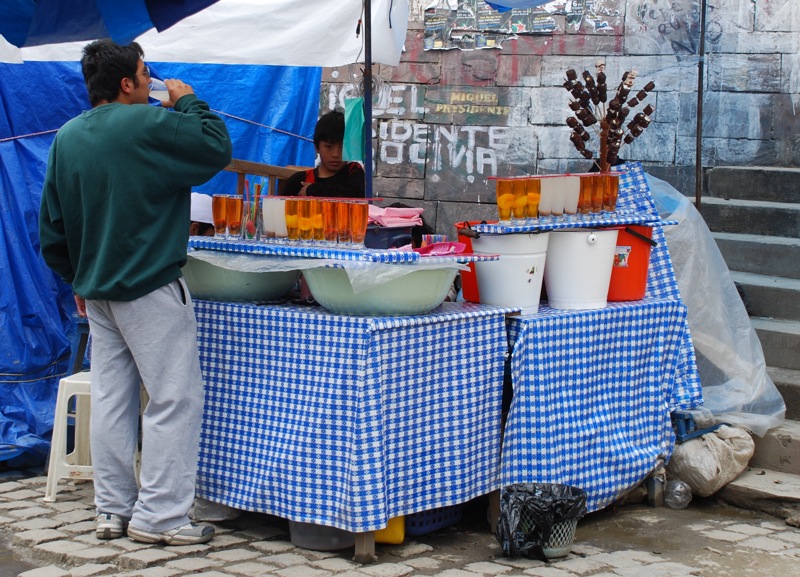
(417, 292)
(210, 282)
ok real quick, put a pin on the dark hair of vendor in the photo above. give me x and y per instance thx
(105, 64)
(330, 128)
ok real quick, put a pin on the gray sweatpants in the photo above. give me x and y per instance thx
(151, 340)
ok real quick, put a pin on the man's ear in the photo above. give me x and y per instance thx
(126, 85)
(194, 229)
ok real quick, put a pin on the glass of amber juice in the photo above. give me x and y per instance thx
(520, 200)
(304, 219)
(290, 214)
(343, 222)
(359, 213)
(504, 193)
(233, 213)
(317, 226)
(533, 192)
(218, 208)
(330, 231)
(610, 191)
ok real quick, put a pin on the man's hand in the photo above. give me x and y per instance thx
(80, 302)
(177, 89)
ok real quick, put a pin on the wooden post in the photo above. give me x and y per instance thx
(365, 548)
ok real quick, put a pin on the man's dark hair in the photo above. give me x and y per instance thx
(105, 64)
(330, 128)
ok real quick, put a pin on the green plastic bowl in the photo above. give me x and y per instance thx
(210, 282)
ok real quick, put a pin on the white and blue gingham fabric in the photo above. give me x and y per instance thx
(349, 421)
(593, 391)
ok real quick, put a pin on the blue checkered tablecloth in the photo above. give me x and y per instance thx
(593, 392)
(349, 421)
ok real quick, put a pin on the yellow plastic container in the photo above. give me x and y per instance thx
(394, 533)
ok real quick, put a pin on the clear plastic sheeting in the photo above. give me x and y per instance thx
(362, 275)
(730, 360)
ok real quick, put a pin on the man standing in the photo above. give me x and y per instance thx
(114, 222)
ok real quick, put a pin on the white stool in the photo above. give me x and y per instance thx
(76, 465)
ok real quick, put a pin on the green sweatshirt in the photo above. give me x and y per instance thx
(114, 219)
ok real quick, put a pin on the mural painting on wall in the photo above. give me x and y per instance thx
(452, 136)
(473, 24)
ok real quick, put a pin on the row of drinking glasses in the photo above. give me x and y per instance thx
(323, 221)
(526, 200)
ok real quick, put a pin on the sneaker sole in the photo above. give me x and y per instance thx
(142, 536)
(108, 533)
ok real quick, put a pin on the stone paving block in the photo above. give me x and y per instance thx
(194, 564)
(224, 541)
(36, 536)
(92, 569)
(423, 563)
(666, 569)
(748, 529)
(84, 527)
(336, 564)
(298, 571)
(788, 536)
(49, 571)
(65, 506)
(271, 547)
(21, 495)
(229, 555)
(765, 544)
(262, 532)
(98, 554)
(547, 571)
(585, 550)
(386, 570)
(250, 569)
(75, 516)
(411, 549)
(144, 558)
(184, 550)
(6, 520)
(459, 573)
(36, 523)
(724, 535)
(28, 512)
(152, 572)
(7, 506)
(284, 559)
(519, 562)
(9, 487)
(582, 566)
(56, 551)
(628, 558)
(487, 568)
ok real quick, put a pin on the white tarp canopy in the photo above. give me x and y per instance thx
(276, 32)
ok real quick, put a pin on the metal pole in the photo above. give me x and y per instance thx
(368, 97)
(698, 175)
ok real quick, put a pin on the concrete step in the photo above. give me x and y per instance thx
(788, 383)
(761, 489)
(751, 217)
(779, 449)
(767, 255)
(775, 184)
(780, 340)
(770, 296)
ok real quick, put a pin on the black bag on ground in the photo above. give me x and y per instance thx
(528, 513)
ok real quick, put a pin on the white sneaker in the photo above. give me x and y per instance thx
(189, 534)
(109, 526)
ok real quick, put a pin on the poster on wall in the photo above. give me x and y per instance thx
(473, 24)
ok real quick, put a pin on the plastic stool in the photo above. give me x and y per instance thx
(76, 465)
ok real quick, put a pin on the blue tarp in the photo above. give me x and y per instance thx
(37, 312)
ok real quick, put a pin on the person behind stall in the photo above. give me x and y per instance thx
(332, 177)
(113, 223)
(202, 219)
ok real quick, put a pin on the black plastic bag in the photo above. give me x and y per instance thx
(528, 512)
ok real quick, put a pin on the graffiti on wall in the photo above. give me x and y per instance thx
(677, 23)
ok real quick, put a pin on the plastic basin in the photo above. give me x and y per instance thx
(417, 292)
(210, 282)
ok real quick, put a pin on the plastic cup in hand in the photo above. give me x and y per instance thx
(158, 90)
(218, 211)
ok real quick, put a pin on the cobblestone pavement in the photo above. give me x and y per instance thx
(706, 539)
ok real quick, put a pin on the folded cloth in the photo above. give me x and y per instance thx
(441, 249)
(395, 217)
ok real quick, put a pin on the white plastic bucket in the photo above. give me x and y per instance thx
(515, 280)
(578, 271)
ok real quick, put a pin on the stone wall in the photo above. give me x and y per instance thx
(446, 121)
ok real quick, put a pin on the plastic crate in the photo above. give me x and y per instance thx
(433, 520)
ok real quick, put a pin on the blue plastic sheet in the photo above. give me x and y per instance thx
(37, 310)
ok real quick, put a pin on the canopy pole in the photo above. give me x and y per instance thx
(368, 98)
(698, 169)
